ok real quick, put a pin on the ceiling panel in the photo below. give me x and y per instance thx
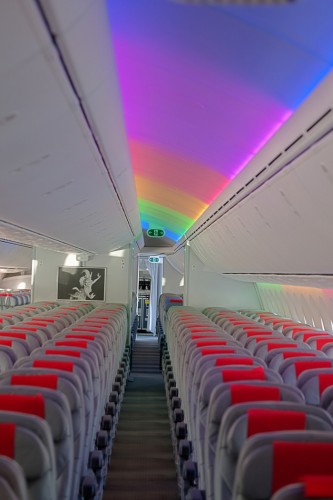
(284, 226)
(204, 87)
(55, 181)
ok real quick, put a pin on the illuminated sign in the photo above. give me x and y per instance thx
(154, 260)
(156, 233)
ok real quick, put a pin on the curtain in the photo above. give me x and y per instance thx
(156, 273)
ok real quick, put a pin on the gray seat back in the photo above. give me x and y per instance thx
(13, 485)
(270, 461)
(33, 450)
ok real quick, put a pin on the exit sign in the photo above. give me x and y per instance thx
(154, 260)
(156, 233)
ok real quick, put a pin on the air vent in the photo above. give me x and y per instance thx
(319, 120)
(261, 171)
(274, 159)
(293, 143)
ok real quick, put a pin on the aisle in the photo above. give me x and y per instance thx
(142, 464)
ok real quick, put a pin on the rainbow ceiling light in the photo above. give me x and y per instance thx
(204, 87)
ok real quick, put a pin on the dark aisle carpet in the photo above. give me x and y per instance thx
(142, 464)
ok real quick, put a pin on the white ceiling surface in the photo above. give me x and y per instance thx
(284, 226)
(53, 181)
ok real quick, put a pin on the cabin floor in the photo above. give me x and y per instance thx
(142, 463)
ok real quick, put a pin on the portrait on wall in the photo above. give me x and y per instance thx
(81, 283)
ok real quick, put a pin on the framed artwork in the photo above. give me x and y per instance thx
(81, 283)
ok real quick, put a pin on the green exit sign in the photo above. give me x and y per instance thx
(156, 233)
(154, 260)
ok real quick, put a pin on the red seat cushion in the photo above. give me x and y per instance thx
(318, 486)
(234, 361)
(265, 420)
(61, 352)
(7, 439)
(54, 365)
(293, 460)
(257, 373)
(287, 355)
(23, 403)
(245, 393)
(206, 343)
(325, 381)
(280, 345)
(206, 352)
(49, 381)
(302, 366)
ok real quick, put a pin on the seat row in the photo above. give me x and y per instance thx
(250, 405)
(14, 298)
(61, 396)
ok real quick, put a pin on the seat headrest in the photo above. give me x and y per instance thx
(267, 420)
(281, 345)
(26, 328)
(14, 335)
(321, 342)
(206, 343)
(85, 329)
(8, 343)
(203, 329)
(325, 381)
(49, 381)
(63, 352)
(23, 403)
(7, 439)
(302, 366)
(319, 486)
(245, 393)
(253, 333)
(79, 336)
(293, 460)
(307, 336)
(233, 375)
(72, 343)
(237, 360)
(207, 352)
(54, 365)
(287, 355)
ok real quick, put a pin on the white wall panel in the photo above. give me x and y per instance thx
(177, 260)
(45, 276)
(312, 305)
(173, 281)
(204, 288)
